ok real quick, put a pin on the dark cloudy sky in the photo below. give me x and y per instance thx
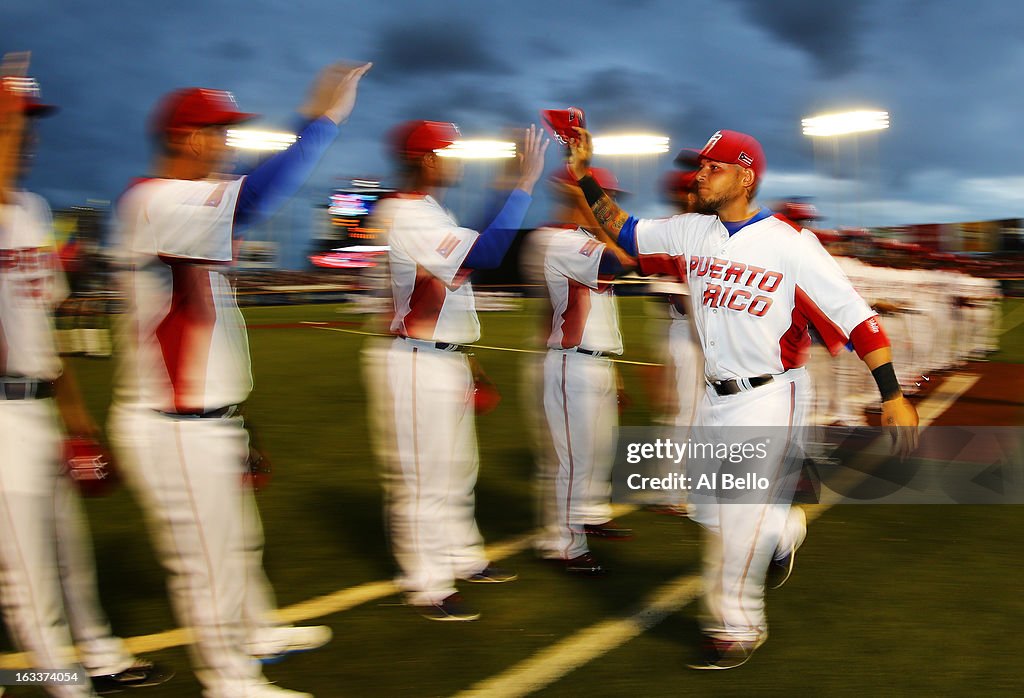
(949, 73)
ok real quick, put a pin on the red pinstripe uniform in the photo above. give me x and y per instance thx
(430, 488)
(579, 388)
(31, 286)
(184, 365)
(754, 294)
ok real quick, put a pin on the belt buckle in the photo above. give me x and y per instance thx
(18, 390)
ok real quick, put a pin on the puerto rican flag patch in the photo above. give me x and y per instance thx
(745, 159)
(448, 245)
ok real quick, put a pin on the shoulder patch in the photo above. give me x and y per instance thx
(448, 245)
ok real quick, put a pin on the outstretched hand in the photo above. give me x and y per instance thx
(899, 418)
(531, 161)
(334, 92)
(581, 152)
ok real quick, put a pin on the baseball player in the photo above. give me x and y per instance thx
(45, 548)
(580, 385)
(757, 282)
(185, 370)
(430, 488)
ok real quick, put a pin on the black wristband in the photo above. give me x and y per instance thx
(591, 189)
(885, 378)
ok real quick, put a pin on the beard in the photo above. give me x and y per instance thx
(708, 206)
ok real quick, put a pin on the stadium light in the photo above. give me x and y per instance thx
(479, 150)
(845, 123)
(631, 144)
(249, 139)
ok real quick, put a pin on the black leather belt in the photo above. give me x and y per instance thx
(17, 388)
(738, 385)
(219, 413)
(441, 346)
(588, 352)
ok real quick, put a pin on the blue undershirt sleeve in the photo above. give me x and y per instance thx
(492, 245)
(627, 237)
(610, 264)
(281, 175)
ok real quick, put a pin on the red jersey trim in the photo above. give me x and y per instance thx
(425, 304)
(185, 335)
(788, 222)
(806, 310)
(869, 336)
(661, 263)
(574, 317)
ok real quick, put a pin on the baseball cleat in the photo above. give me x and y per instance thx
(718, 654)
(142, 673)
(609, 530)
(585, 565)
(492, 575)
(781, 567)
(451, 608)
(273, 644)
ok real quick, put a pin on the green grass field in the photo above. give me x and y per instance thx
(886, 600)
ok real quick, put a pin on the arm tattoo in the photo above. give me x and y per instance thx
(606, 211)
(609, 215)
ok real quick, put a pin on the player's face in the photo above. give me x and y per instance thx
(211, 147)
(443, 172)
(718, 184)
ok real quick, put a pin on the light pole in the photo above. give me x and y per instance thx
(835, 125)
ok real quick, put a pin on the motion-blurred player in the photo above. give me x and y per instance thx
(580, 384)
(185, 371)
(430, 486)
(757, 282)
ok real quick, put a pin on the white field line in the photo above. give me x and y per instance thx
(317, 326)
(335, 602)
(677, 591)
(552, 663)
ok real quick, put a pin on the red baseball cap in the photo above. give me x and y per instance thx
(688, 159)
(417, 138)
(679, 182)
(604, 178)
(735, 148)
(561, 123)
(195, 107)
(28, 90)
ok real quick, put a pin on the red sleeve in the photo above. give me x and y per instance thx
(869, 336)
(668, 265)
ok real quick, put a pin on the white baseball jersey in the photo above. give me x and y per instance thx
(585, 314)
(432, 293)
(187, 348)
(31, 286)
(754, 292)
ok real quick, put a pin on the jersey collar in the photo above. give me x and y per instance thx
(736, 226)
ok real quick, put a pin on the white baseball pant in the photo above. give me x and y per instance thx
(188, 474)
(742, 539)
(580, 403)
(430, 490)
(29, 579)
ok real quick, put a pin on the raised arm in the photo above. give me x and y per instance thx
(330, 101)
(608, 213)
(494, 241)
